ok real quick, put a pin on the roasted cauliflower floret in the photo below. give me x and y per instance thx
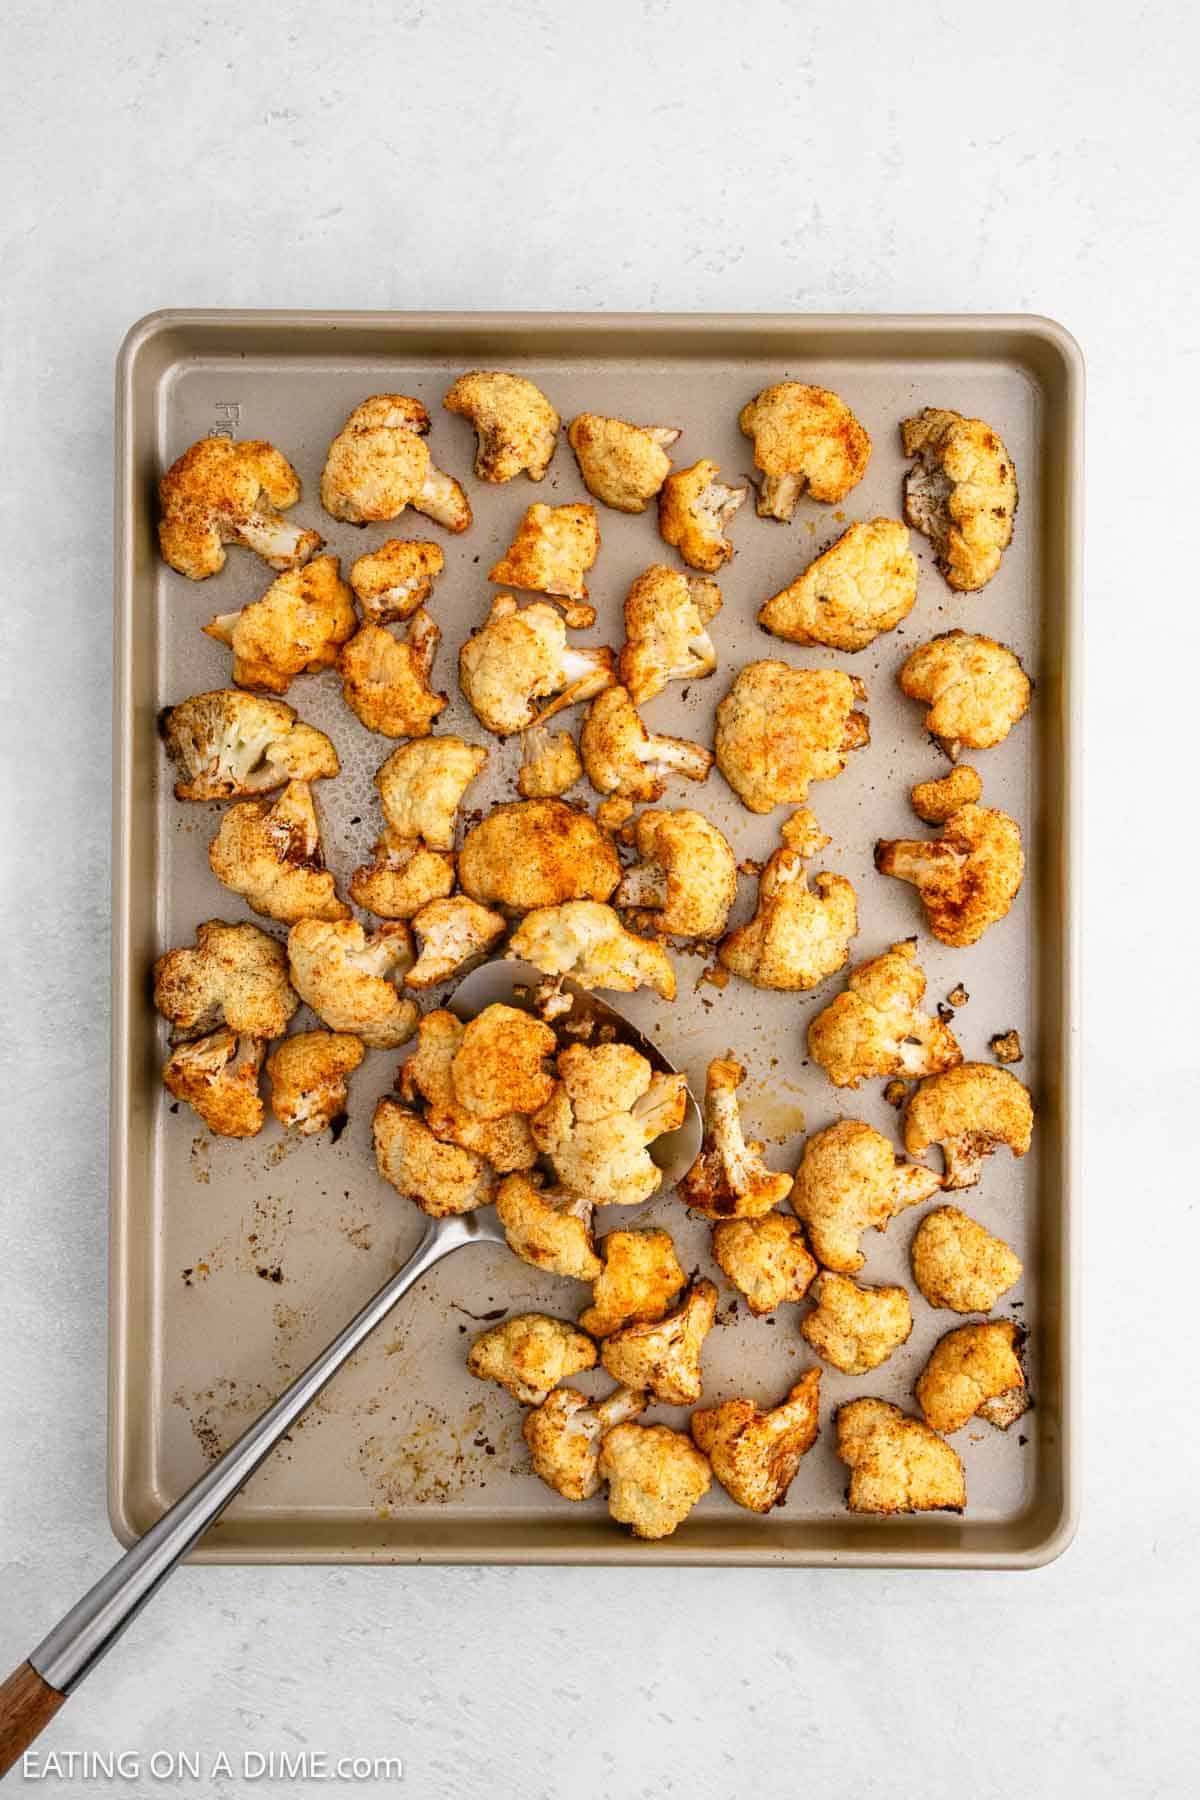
(655, 1476)
(802, 834)
(805, 440)
(220, 492)
(861, 586)
(533, 853)
(799, 935)
(766, 1259)
(639, 1279)
(564, 1435)
(547, 1230)
(729, 1179)
(694, 510)
(937, 801)
(218, 1077)
(975, 689)
(520, 656)
(507, 1142)
(298, 625)
(402, 877)
(453, 935)
(236, 977)
(587, 941)
(968, 1112)
(961, 493)
(269, 851)
(850, 1178)
(516, 428)
(442, 1179)
(666, 636)
(421, 786)
(385, 679)
(663, 1356)
(309, 1075)
(875, 1027)
(622, 464)
(967, 878)
(756, 1455)
(975, 1369)
(394, 580)
(228, 745)
(552, 551)
(686, 879)
(779, 729)
(606, 1108)
(530, 1354)
(897, 1464)
(349, 979)
(856, 1328)
(622, 757)
(379, 463)
(549, 765)
(500, 1065)
(959, 1265)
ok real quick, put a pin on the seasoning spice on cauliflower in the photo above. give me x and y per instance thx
(500, 1064)
(217, 1076)
(959, 1265)
(636, 1284)
(552, 550)
(394, 580)
(856, 1328)
(385, 679)
(309, 1078)
(608, 1105)
(379, 463)
(805, 440)
(766, 1259)
(850, 1178)
(975, 1369)
(863, 585)
(975, 690)
(349, 979)
(961, 493)
(519, 656)
(402, 877)
(875, 1027)
(530, 1354)
(622, 464)
(220, 492)
(516, 428)
(897, 1464)
(236, 976)
(780, 729)
(442, 1179)
(229, 745)
(297, 626)
(729, 1179)
(968, 877)
(622, 757)
(655, 1476)
(799, 935)
(565, 1432)
(686, 879)
(421, 786)
(666, 635)
(968, 1111)
(269, 851)
(453, 936)
(663, 1356)
(426, 1078)
(532, 853)
(937, 801)
(549, 765)
(587, 941)
(756, 1455)
(550, 1231)
(694, 510)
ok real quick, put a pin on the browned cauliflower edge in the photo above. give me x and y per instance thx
(755, 1454)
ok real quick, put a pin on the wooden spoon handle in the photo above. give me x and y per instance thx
(27, 1705)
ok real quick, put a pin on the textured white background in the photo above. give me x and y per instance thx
(656, 155)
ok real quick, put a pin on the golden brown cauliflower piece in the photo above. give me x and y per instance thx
(402, 877)
(442, 1179)
(850, 1178)
(228, 745)
(269, 851)
(552, 551)
(729, 1179)
(453, 936)
(533, 853)
(220, 492)
(666, 636)
(875, 1027)
(779, 729)
(622, 757)
(421, 786)
(636, 1283)
(663, 1356)
(799, 935)
(309, 1078)
(507, 1142)
(379, 463)
(805, 440)
(756, 1455)
(519, 656)
(298, 625)
(349, 979)
(385, 679)
(975, 1369)
(856, 1328)
(686, 879)
(961, 493)
(959, 1265)
(564, 1435)
(766, 1259)
(622, 464)
(587, 941)
(968, 1111)
(937, 801)
(530, 1354)
(549, 765)
(968, 877)
(655, 1476)
(217, 1075)
(694, 509)
(975, 689)
(897, 1464)
(500, 1064)
(394, 580)
(516, 428)
(861, 586)
(549, 1231)
(236, 977)
(606, 1108)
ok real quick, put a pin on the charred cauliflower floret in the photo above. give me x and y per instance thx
(639, 1279)
(606, 1108)
(766, 1259)
(779, 729)
(937, 801)
(549, 765)
(961, 493)
(217, 1075)
(805, 440)
(402, 877)
(685, 880)
(967, 878)
(729, 1179)
(622, 464)
(799, 935)
(655, 1476)
(309, 1075)
(421, 786)
(220, 492)
(756, 1455)
(442, 1179)
(666, 636)
(897, 1464)
(228, 745)
(875, 1027)
(968, 1112)
(236, 977)
(453, 935)
(552, 551)
(694, 510)
(587, 941)
(379, 463)
(349, 979)
(299, 625)
(975, 1369)
(622, 757)
(394, 580)
(861, 586)
(565, 1432)
(959, 1265)
(850, 1178)
(269, 851)
(533, 853)
(520, 656)
(856, 1328)
(530, 1354)
(549, 1231)
(663, 1357)
(975, 689)
(426, 1078)
(516, 428)
(385, 679)
(500, 1065)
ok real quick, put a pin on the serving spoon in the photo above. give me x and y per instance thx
(36, 1689)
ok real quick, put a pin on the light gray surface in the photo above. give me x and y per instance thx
(653, 158)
